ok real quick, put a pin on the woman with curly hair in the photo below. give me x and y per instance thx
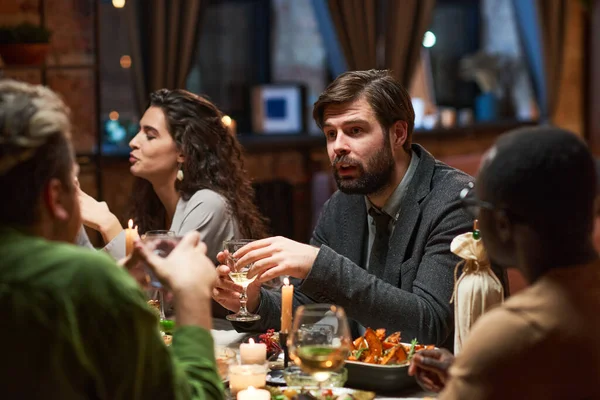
(189, 176)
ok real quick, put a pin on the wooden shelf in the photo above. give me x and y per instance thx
(255, 143)
(261, 143)
(47, 67)
(478, 128)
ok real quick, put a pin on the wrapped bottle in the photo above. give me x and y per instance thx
(477, 290)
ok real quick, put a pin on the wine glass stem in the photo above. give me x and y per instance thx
(243, 302)
(161, 299)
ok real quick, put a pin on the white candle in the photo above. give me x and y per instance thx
(254, 394)
(253, 353)
(243, 376)
(287, 296)
(131, 235)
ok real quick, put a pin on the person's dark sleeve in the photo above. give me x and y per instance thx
(423, 313)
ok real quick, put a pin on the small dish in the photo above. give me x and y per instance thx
(313, 392)
(294, 376)
(224, 357)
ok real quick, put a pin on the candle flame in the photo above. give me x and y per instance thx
(251, 341)
(286, 282)
(130, 224)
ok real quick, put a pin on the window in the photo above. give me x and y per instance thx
(231, 56)
(275, 41)
(243, 43)
(118, 114)
(298, 52)
(474, 59)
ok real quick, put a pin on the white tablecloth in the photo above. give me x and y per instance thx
(224, 334)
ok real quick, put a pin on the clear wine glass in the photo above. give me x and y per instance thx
(161, 242)
(319, 341)
(239, 275)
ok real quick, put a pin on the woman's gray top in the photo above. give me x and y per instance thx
(206, 212)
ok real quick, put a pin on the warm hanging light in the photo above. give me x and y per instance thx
(125, 61)
(226, 120)
(118, 3)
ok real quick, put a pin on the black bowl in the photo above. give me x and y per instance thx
(379, 378)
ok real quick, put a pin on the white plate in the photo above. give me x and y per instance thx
(357, 394)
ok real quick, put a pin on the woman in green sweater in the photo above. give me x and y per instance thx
(75, 326)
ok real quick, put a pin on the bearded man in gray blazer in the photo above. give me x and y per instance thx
(398, 277)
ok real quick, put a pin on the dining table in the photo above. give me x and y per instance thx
(225, 335)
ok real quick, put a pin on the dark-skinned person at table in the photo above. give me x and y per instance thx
(381, 248)
(74, 324)
(534, 198)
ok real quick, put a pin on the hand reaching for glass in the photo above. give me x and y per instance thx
(186, 267)
(227, 293)
(240, 274)
(188, 273)
(430, 368)
(277, 256)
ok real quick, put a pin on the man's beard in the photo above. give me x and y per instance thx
(372, 179)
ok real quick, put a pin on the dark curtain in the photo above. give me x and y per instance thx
(163, 35)
(398, 32)
(407, 22)
(355, 25)
(541, 26)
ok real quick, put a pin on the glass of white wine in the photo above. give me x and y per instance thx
(319, 341)
(161, 242)
(239, 275)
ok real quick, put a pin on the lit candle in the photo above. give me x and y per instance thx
(243, 376)
(253, 353)
(287, 294)
(254, 394)
(131, 235)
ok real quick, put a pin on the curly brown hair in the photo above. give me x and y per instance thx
(212, 161)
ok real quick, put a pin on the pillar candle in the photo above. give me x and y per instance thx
(131, 235)
(287, 295)
(243, 376)
(254, 394)
(253, 353)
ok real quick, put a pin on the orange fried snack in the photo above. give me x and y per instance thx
(375, 348)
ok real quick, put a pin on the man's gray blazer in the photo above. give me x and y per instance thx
(414, 294)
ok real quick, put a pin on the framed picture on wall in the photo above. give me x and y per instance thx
(278, 109)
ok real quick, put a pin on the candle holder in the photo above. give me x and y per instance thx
(242, 376)
(283, 343)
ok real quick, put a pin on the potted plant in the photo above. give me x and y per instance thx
(24, 44)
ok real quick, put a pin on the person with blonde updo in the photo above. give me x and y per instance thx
(75, 325)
